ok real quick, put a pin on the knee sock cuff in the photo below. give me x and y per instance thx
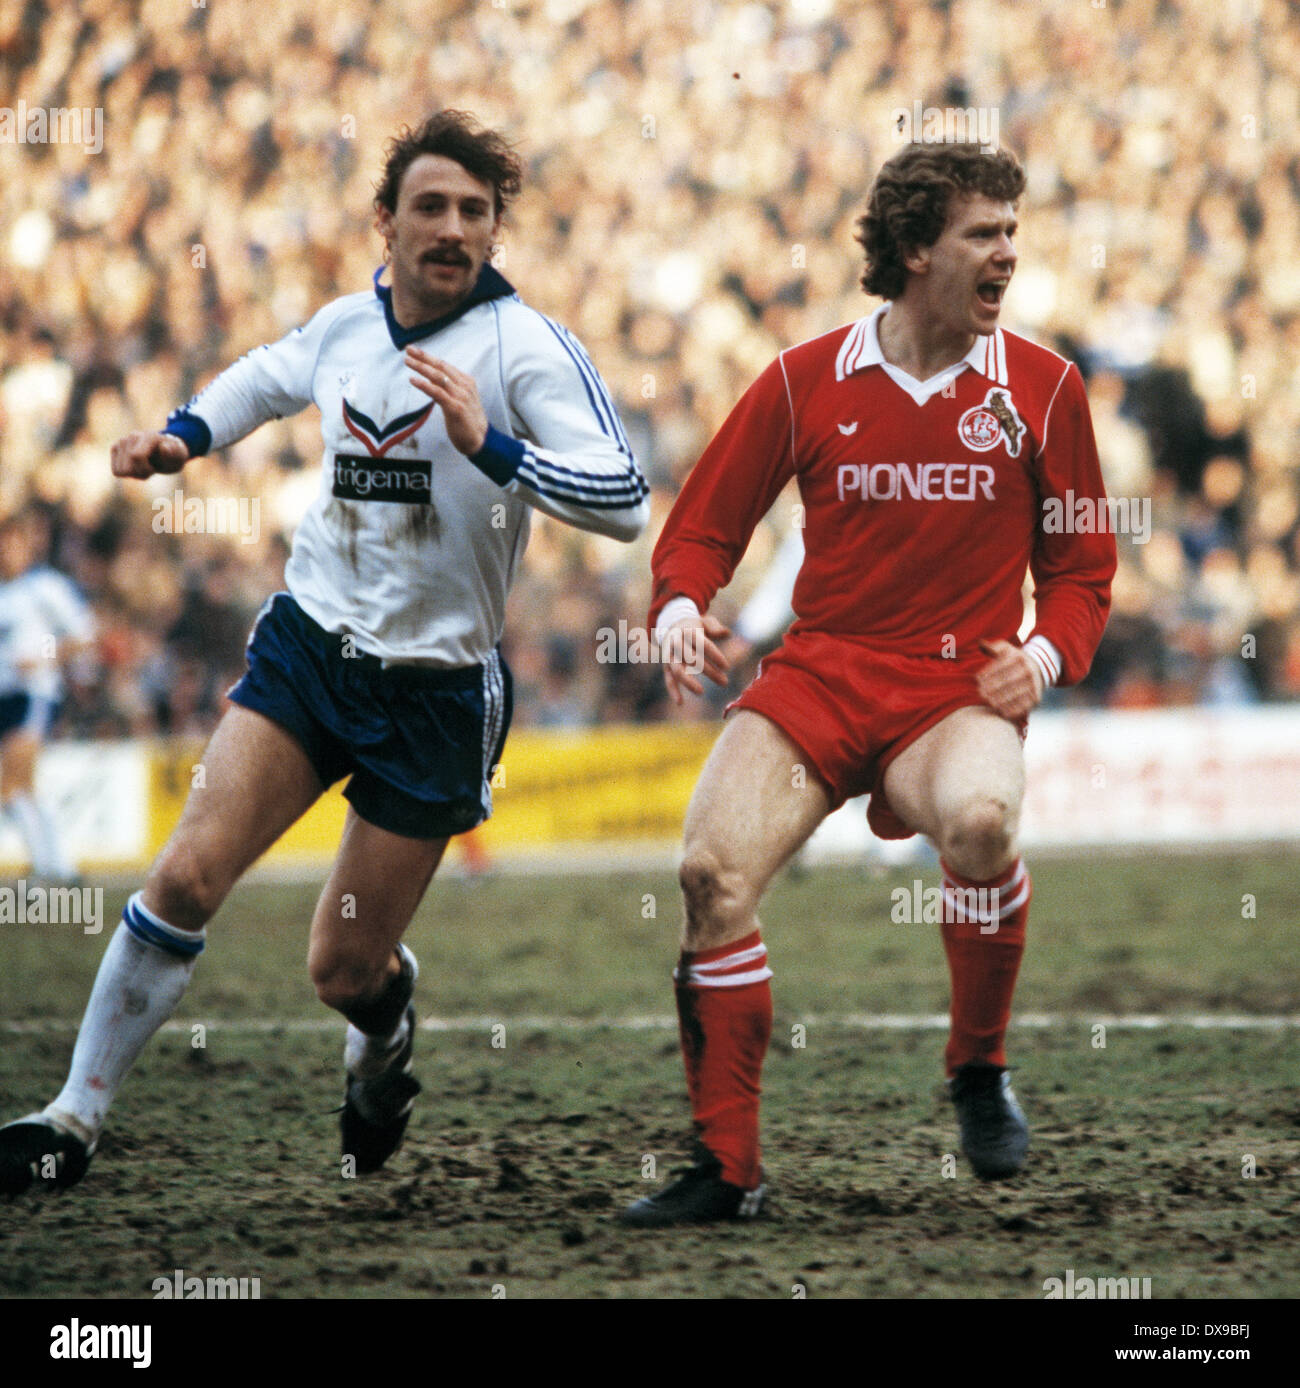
(153, 930)
(728, 966)
(998, 903)
(1013, 873)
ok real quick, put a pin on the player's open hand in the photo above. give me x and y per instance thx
(456, 395)
(144, 454)
(688, 651)
(1011, 684)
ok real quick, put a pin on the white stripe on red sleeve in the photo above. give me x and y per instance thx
(1045, 655)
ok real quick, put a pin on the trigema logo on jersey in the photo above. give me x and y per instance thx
(983, 426)
(372, 475)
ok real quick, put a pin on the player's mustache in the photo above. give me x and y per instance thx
(445, 258)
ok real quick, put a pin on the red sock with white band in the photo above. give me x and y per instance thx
(984, 937)
(724, 1008)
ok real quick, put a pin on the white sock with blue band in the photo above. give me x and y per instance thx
(141, 978)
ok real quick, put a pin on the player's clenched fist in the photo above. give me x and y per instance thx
(1011, 683)
(143, 454)
(687, 651)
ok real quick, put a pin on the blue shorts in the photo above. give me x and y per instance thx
(420, 744)
(29, 712)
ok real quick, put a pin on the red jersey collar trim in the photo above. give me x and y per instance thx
(861, 349)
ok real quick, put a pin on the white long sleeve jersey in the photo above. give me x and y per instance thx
(38, 610)
(410, 546)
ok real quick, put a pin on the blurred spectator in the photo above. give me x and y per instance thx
(694, 172)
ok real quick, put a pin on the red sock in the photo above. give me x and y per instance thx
(984, 937)
(724, 1007)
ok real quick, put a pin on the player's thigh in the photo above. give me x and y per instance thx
(18, 751)
(377, 881)
(973, 756)
(756, 802)
(256, 780)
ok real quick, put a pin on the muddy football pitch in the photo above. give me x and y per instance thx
(1155, 1050)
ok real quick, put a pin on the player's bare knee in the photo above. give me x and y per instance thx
(714, 897)
(183, 888)
(978, 840)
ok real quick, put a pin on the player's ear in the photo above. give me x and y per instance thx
(384, 222)
(916, 259)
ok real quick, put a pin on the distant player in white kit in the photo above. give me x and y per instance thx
(449, 410)
(43, 622)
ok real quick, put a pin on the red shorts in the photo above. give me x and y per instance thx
(851, 709)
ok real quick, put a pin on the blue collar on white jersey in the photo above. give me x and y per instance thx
(489, 285)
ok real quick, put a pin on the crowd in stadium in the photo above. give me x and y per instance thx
(694, 172)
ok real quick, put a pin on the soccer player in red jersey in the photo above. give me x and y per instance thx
(925, 441)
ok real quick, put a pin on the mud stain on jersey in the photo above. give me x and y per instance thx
(345, 520)
(419, 524)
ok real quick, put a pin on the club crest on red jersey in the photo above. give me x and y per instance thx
(983, 426)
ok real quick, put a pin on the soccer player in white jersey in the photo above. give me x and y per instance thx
(449, 411)
(43, 621)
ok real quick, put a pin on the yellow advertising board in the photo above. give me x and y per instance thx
(596, 785)
(554, 787)
(176, 764)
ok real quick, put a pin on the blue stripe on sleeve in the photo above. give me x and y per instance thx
(580, 353)
(597, 398)
(551, 479)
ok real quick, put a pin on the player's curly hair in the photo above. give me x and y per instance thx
(458, 136)
(908, 204)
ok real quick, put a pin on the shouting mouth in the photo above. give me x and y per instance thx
(991, 291)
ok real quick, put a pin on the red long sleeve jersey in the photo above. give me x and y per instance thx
(924, 501)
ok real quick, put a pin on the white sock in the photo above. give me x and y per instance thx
(41, 837)
(366, 1056)
(141, 977)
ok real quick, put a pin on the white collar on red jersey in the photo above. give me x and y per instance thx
(861, 349)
